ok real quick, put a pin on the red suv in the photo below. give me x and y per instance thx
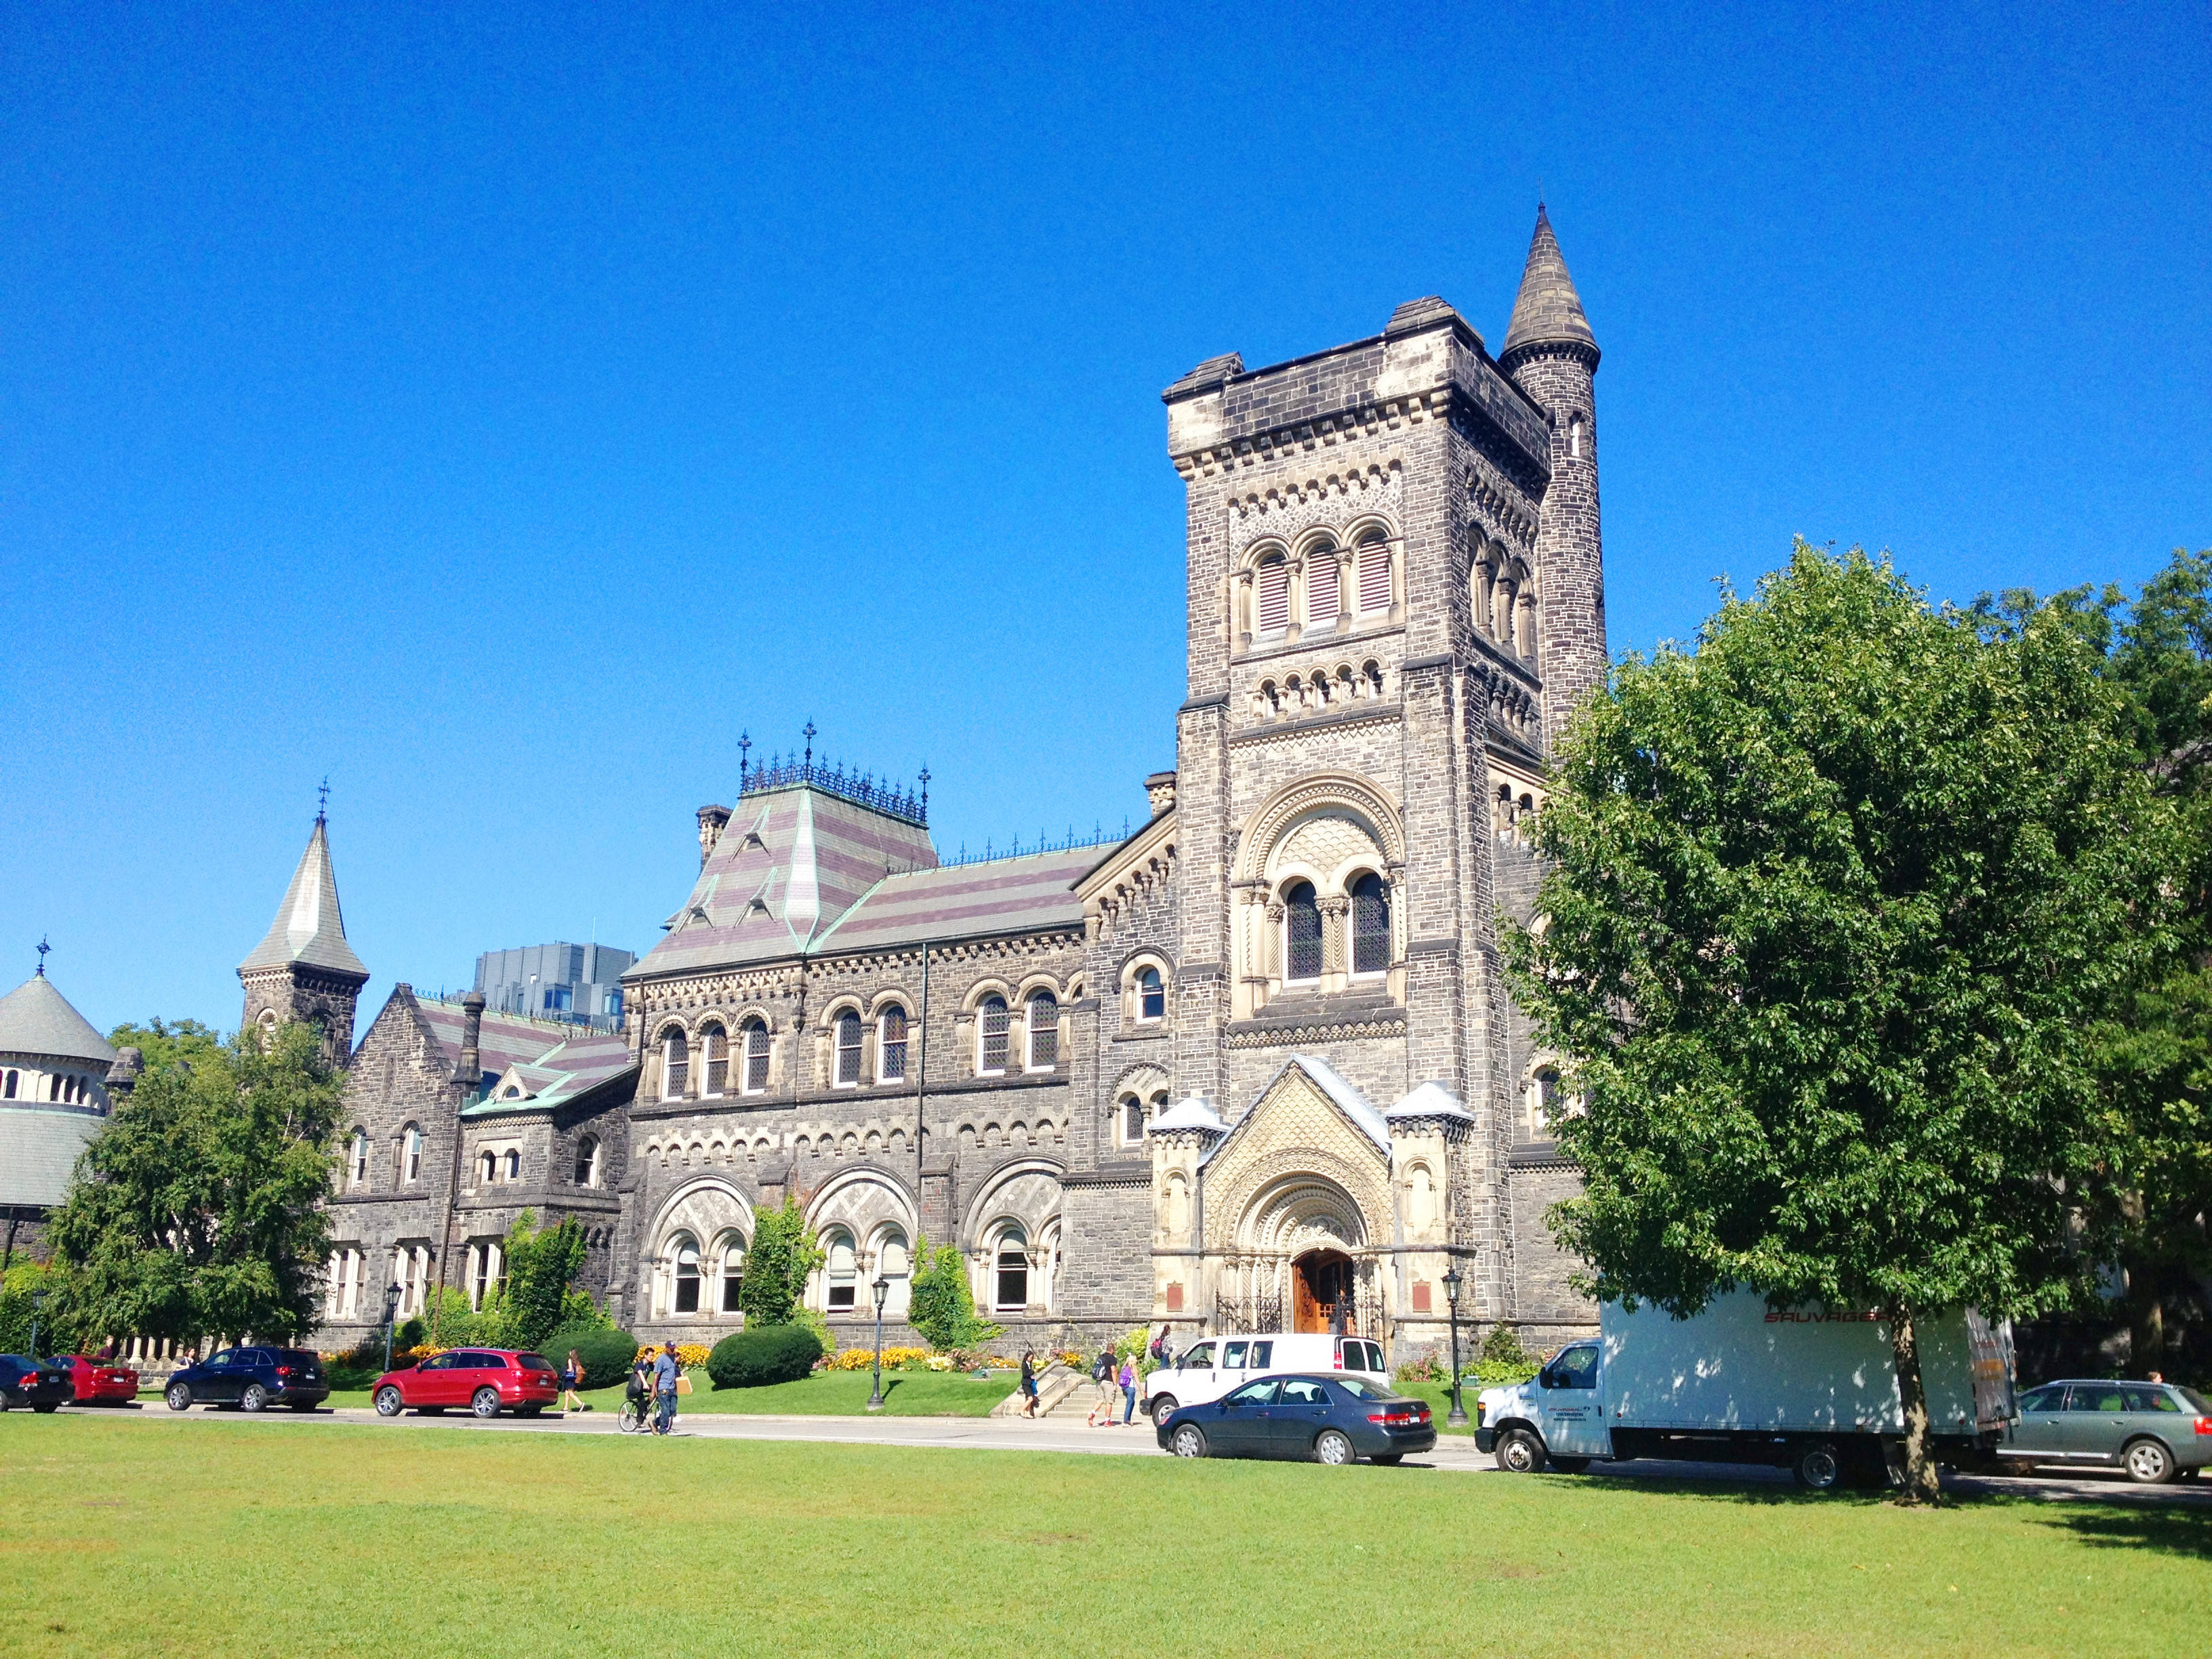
(101, 1381)
(487, 1380)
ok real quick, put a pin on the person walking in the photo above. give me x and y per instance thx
(572, 1378)
(1159, 1348)
(664, 1373)
(1028, 1382)
(1102, 1377)
(1128, 1380)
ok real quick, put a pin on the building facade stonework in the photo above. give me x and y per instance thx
(1254, 1065)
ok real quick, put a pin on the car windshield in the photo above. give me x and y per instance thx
(2196, 1401)
(297, 1357)
(533, 1361)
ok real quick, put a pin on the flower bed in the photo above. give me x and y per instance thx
(690, 1356)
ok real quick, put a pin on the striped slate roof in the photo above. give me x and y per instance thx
(800, 872)
(38, 1147)
(554, 1062)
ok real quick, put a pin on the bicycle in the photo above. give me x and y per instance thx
(636, 1413)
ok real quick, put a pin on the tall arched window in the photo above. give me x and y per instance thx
(687, 1275)
(1574, 437)
(1044, 1031)
(1131, 1114)
(1010, 1274)
(359, 1158)
(1370, 925)
(14, 1077)
(1151, 995)
(587, 1161)
(991, 1035)
(714, 1059)
(891, 1044)
(513, 1164)
(675, 1064)
(1321, 588)
(411, 1155)
(755, 1035)
(488, 1168)
(848, 1048)
(1301, 932)
(1373, 573)
(1540, 1102)
(733, 1272)
(1273, 602)
(894, 1263)
(843, 1271)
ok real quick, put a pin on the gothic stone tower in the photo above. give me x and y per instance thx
(1383, 587)
(303, 969)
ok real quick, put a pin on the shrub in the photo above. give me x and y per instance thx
(606, 1352)
(765, 1353)
(942, 1307)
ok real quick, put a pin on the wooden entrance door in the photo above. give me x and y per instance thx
(1320, 1281)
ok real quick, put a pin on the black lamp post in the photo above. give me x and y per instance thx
(881, 1286)
(392, 1295)
(1457, 1416)
(38, 1302)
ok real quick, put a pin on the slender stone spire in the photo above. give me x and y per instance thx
(304, 969)
(1547, 311)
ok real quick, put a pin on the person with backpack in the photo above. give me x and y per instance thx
(1159, 1348)
(1029, 1383)
(572, 1378)
(1103, 1370)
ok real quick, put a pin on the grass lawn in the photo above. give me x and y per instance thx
(827, 1393)
(126, 1538)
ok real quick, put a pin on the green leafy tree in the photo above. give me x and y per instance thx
(196, 1209)
(162, 1043)
(940, 1305)
(534, 1295)
(784, 1253)
(1834, 902)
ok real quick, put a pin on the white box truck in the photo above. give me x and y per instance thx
(1810, 1389)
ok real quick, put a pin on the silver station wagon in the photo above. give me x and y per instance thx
(2157, 1431)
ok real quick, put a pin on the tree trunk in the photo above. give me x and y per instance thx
(1921, 1485)
(2146, 1318)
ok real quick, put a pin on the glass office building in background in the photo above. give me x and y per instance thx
(579, 984)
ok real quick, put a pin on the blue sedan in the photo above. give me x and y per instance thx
(1329, 1420)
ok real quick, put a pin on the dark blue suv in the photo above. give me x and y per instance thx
(251, 1379)
(44, 1385)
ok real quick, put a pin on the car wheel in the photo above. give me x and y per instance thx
(254, 1398)
(1189, 1441)
(180, 1397)
(1332, 1448)
(1819, 1468)
(49, 1408)
(485, 1403)
(390, 1402)
(1520, 1452)
(1163, 1407)
(2148, 1462)
(1571, 1465)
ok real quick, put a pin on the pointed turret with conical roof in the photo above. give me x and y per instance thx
(1551, 356)
(1547, 311)
(304, 969)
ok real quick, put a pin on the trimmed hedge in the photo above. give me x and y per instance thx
(766, 1353)
(606, 1354)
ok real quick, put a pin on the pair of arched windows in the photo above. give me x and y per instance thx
(1040, 1036)
(689, 1267)
(495, 1166)
(1370, 952)
(1136, 1111)
(850, 1067)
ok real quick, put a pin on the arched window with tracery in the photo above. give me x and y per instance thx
(714, 1059)
(734, 1273)
(848, 1049)
(1133, 1121)
(894, 1263)
(990, 1023)
(1011, 1271)
(1301, 932)
(891, 1044)
(675, 1064)
(1370, 925)
(841, 1271)
(1043, 1032)
(686, 1299)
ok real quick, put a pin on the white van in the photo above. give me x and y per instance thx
(1211, 1366)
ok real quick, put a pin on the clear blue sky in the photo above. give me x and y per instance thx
(499, 413)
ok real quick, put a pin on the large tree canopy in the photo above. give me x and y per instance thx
(196, 1211)
(1835, 899)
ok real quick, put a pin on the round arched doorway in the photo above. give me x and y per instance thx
(1322, 1288)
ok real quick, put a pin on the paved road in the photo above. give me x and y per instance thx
(1453, 1453)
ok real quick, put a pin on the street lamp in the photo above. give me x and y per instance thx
(38, 1302)
(392, 1295)
(1457, 1417)
(881, 1287)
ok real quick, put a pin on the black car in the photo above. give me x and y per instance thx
(44, 1385)
(252, 1378)
(1330, 1419)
